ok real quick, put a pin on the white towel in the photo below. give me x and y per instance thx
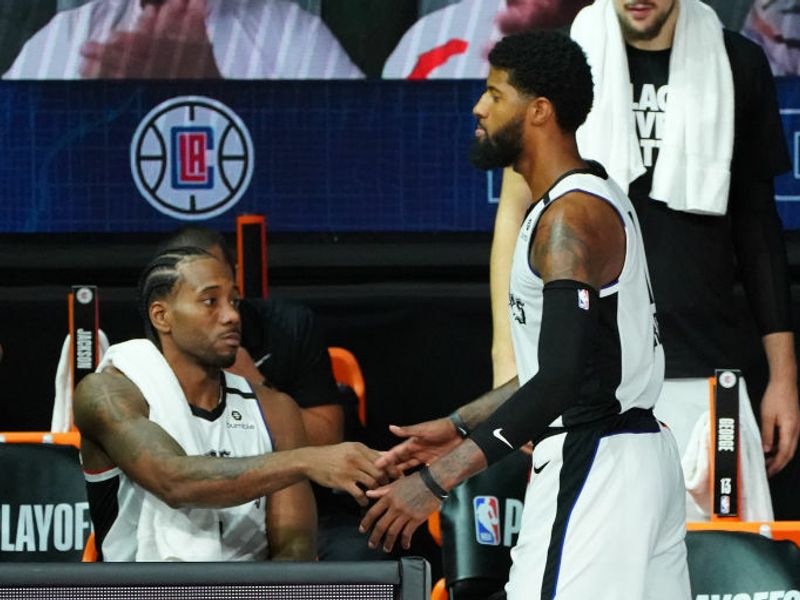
(755, 497)
(692, 172)
(61, 421)
(683, 406)
(164, 533)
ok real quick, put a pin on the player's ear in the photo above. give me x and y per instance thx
(159, 316)
(539, 111)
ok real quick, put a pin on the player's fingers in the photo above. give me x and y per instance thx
(787, 445)
(399, 431)
(767, 431)
(365, 479)
(357, 493)
(378, 493)
(408, 532)
(393, 456)
(367, 469)
(372, 515)
(391, 470)
(392, 532)
(379, 529)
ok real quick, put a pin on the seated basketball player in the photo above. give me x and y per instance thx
(184, 461)
(283, 347)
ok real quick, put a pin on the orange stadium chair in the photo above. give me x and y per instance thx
(90, 550)
(347, 371)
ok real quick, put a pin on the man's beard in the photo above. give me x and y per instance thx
(499, 150)
(634, 35)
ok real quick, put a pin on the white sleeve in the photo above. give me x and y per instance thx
(47, 54)
(254, 39)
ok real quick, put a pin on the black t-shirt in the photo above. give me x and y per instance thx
(694, 259)
(289, 350)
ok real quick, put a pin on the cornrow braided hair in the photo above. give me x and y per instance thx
(197, 236)
(158, 280)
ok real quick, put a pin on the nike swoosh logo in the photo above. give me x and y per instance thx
(496, 433)
(540, 468)
(263, 359)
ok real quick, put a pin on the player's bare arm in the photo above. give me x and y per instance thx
(113, 419)
(291, 515)
(515, 199)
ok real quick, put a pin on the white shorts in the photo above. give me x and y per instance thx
(604, 518)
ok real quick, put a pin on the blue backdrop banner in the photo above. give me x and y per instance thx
(333, 156)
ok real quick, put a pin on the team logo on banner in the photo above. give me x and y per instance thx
(487, 520)
(192, 158)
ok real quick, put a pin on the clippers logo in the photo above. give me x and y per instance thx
(487, 520)
(192, 158)
(727, 379)
(190, 168)
(84, 295)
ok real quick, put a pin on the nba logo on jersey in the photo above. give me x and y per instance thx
(725, 505)
(190, 168)
(583, 299)
(487, 520)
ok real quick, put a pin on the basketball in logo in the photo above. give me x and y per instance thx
(192, 158)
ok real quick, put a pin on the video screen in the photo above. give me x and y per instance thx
(326, 115)
(306, 39)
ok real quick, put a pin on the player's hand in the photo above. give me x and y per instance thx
(345, 467)
(425, 443)
(780, 424)
(401, 508)
(170, 41)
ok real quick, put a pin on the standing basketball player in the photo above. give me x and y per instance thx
(604, 511)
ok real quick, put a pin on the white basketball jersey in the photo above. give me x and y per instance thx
(627, 364)
(235, 428)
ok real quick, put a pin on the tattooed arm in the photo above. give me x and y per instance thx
(112, 416)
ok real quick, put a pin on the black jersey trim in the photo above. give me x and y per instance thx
(218, 410)
(593, 168)
(250, 393)
(579, 451)
(238, 392)
(103, 497)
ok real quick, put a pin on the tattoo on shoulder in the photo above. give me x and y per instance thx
(560, 251)
(108, 397)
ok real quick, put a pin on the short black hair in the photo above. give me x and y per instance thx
(548, 64)
(196, 236)
(158, 281)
